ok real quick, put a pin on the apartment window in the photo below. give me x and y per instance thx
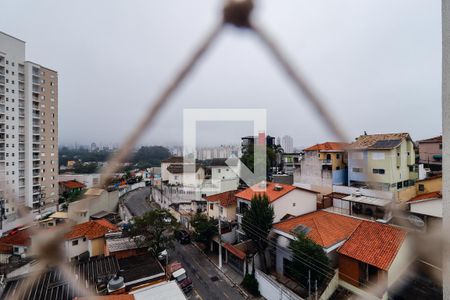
(338, 156)
(74, 243)
(378, 171)
(421, 188)
(357, 170)
(211, 206)
(399, 185)
(440, 146)
(84, 239)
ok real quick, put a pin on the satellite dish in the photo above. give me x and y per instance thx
(416, 221)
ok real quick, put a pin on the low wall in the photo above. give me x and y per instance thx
(130, 188)
(331, 288)
(273, 290)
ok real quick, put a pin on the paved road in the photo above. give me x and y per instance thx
(208, 282)
(136, 203)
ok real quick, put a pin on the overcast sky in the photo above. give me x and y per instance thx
(376, 63)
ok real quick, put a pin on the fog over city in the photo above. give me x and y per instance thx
(377, 65)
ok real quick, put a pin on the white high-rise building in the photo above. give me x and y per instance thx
(287, 143)
(28, 133)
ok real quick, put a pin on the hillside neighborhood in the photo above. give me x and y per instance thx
(345, 220)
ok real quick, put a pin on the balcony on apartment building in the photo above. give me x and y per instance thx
(36, 89)
(2, 90)
(21, 69)
(21, 156)
(2, 156)
(35, 173)
(2, 99)
(21, 103)
(21, 95)
(36, 147)
(21, 173)
(2, 79)
(21, 183)
(21, 78)
(21, 166)
(36, 105)
(21, 113)
(36, 114)
(35, 156)
(21, 148)
(21, 86)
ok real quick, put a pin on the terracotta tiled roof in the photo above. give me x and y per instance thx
(436, 139)
(270, 191)
(328, 146)
(379, 141)
(427, 196)
(325, 228)
(226, 198)
(72, 184)
(235, 251)
(20, 238)
(374, 243)
(91, 229)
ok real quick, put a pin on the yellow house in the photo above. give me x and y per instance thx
(428, 185)
(222, 206)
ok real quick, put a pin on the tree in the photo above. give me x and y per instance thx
(150, 156)
(250, 160)
(257, 222)
(154, 230)
(205, 229)
(308, 257)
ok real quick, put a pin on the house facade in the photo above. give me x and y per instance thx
(285, 199)
(329, 230)
(373, 258)
(382, 162)
(87, 238)
(430, 153)
(322, 166)
(222, 206)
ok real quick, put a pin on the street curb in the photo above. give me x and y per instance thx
(241, 291)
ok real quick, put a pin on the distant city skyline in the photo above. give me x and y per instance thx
(377, 69)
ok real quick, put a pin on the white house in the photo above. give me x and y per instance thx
(286, 200)
(185, 174)
(429, 208)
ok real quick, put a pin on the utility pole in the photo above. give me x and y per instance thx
(309, 283)
(446, 146)
(220, 242)
(315, 287)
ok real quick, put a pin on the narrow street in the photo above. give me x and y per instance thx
(209, 283)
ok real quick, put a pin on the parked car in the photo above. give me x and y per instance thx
(162, 256)
(175, 271)
(182, 236)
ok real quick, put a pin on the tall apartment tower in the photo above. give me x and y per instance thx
(28, 133)
(287, 143)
